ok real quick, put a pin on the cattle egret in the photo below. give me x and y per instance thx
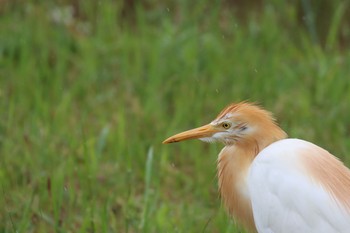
(273, 184)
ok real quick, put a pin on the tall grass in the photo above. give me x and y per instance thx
(85, 97)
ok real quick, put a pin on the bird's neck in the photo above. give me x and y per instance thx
(233, 168)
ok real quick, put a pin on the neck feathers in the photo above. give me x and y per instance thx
(233, 167)
(234, 160)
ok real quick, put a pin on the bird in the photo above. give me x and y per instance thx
(270, 183)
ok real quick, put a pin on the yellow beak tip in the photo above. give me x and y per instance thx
(169, 140)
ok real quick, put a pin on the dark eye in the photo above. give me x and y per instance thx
(226, 125)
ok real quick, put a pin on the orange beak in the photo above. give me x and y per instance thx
(200, 132)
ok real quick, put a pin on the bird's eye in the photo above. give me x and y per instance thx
(226, 125)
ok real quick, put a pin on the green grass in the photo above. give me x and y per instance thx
(86, 103)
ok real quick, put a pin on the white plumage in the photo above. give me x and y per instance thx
(285, 198)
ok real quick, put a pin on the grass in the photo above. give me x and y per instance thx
(87, 100)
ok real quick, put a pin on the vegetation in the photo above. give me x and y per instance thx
(89, 90)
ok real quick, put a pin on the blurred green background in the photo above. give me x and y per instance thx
(90, 89)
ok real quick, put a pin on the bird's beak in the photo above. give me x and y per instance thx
(200, 132)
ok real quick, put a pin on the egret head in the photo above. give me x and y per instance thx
(237, 124)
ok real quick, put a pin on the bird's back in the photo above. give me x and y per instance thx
(296, 186)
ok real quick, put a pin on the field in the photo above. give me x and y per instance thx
(88, 91)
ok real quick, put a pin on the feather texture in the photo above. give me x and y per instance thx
(289, 195)
(232, 173)
(326, 170)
